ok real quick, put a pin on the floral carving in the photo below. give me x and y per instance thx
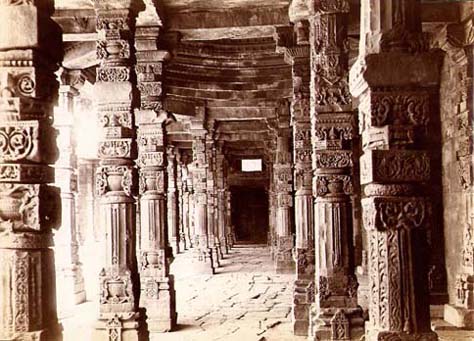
(115, 148)
(333, 159)
(400, 109)
(395, 166)
(17, 142)
(331, 6)
(333, 185)
(395, 213)
(113, 74)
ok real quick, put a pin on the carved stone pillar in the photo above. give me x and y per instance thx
(212, 199)
(116, 177)
(157, 285)
(335, 314)
(191, 205)
(461, 313)
(30, 50)
(203, 255)
(283, 179)
(173, 223)
(229, 227)
(272, 218)
(71, 289)
(394, 113)
(221, 203)
(181, 186)
(186, 198)
(297, 54)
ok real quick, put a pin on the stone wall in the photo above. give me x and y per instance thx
(455, 178)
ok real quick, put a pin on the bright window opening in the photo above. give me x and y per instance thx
(251, 165)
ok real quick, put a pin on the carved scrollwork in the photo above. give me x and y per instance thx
(150, 89)
(395, 213)
(333, 159)
(18, 142)
(116, 148)
(334, 185)
(400, 108)
(395, 166)
(20, 208)
(331, 6)
(113, 74)
(116, 119)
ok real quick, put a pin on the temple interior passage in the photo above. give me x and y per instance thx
(236, 170)
(250, 214)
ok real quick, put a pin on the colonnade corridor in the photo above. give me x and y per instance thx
(236, 170)
(244, 300)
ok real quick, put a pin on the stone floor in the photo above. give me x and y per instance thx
(244, 301)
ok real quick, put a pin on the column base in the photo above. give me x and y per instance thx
(71, 288)
(203, 262)
(216, 256)
(53, 334)
(283, 266)
(120, 326)
(174, 243)
(338, 324)
(301, 307)
(183, 244)
(219, 249)
(376, 335)
(459, 316)
(158, 298)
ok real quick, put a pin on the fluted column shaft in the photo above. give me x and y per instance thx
(30, 51)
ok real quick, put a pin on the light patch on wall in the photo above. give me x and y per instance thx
(251, 165)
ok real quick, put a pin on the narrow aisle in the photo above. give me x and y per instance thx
(245, 300)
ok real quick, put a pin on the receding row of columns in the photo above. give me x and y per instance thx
(186, 205)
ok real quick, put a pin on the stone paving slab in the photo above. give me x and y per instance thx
(244, 301)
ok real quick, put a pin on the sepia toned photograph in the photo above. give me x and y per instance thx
(236, 170)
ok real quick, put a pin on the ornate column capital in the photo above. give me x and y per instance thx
(328, 6)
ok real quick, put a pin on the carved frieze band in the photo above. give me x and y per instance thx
(392, 166)
(395, 213)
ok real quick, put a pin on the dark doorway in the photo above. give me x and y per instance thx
(250, 214)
